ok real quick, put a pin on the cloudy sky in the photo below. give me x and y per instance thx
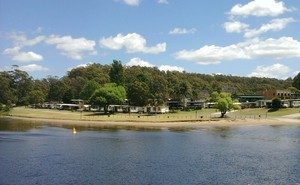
(231, 37)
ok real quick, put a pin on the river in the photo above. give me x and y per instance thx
(34, 153)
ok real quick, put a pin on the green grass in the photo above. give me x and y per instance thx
(263, 111)
(199, 115)
(76, 115)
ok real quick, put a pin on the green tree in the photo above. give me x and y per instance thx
(109, 94)
(92, 71)
(57, 89)
(41, 85)
(8, 106)
(88, 89)
(68, 95)
(22, 84)
(225, 103)
(36, 97)
(276, 103)
(296, 81)
(138, 93)
(214, 96)
(6, 90)
(116, 73)
(294, 90)
(158, 90)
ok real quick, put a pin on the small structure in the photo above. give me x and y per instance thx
(68, 106)
(78, 102)
(156, 109)
(249, 101)
(271, 94)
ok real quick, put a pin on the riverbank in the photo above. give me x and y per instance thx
(281, 121)
(203, 118)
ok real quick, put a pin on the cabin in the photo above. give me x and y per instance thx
(67, 106)
(156, 109)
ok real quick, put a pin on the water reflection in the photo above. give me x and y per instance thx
(34, 153)
(7, 124)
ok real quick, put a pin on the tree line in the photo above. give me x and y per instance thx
(138, 85)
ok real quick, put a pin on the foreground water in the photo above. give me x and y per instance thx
(32, 153)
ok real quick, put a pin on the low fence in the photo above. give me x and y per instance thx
(167, 117)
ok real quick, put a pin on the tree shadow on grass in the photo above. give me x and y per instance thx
(273, 109)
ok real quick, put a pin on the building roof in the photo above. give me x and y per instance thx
(250, 96)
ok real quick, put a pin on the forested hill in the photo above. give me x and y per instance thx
(18, 87)
(171, 81)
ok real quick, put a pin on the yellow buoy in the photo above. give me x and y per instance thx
(74, 131)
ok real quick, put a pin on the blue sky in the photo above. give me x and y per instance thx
(231, 37)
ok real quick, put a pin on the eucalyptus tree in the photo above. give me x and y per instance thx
(22, 84)
(7, 93)
(138, 93)
(116, 73)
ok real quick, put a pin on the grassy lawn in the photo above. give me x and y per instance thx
(203, 114)
(263, 111)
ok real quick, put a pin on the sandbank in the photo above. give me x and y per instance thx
(276, 121)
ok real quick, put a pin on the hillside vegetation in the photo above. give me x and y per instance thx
(143, 85)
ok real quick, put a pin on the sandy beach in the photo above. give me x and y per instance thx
(278, 121)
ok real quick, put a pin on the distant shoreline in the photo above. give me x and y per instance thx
(280, 121)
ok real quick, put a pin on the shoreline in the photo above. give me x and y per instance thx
(278, 121)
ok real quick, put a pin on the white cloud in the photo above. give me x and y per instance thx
(142, 63)
(20, 56)
(177, 31)
(212, 54)
(260, 8)
(274, 25)
(71, 47)
(139, 62)
(235, 27)
(21, 40)
(171, 68)
(33, 68)
(81, 65)
(27, 57)
(163, 1)
(132, 42)
(274, 71)
(284, 47)
(132, 2)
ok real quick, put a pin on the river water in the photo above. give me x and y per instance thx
(33, 153)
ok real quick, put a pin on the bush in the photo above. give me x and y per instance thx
(276, 103)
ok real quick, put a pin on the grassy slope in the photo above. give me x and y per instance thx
(204, 114)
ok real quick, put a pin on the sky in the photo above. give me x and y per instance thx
(230, 37)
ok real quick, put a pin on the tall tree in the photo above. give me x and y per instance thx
(22, 83)
(138, 93)
(109, 94)
(88, 89)
(116, 73)
(185, 91)
(57, 89)
(36, 97)
(6, 92)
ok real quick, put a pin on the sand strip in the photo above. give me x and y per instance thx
(186, 124)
